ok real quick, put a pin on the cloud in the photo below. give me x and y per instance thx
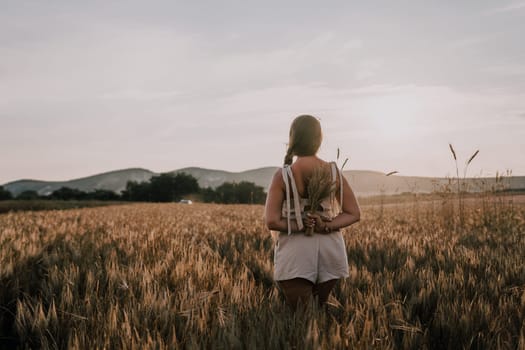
(517, 6)
(140, 95)
(467, 42)
(506, 70)
(136, 79)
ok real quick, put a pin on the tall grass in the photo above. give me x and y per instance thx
(169, 276)
(382, 193)
(51, 204)
(460, 191)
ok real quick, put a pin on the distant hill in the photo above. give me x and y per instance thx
(366, 183)
(112, 180)
(363, 182)
(215, 178)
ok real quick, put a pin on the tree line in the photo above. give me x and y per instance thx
(165, 187)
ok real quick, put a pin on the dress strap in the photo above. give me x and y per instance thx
(288, 175)
(287, 185)
(297, 203)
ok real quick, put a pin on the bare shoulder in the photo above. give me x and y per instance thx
(306, 164)
(277, 179)
(277, 174)
(303, 167)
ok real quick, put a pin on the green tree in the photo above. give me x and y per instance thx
(185, 184)
(5, 194)
(103, 195)
(243, 192)
(168, 187)
(162, 188)
(136, 191)
(209, 195)
(67, 193)
(165, 187)
(249, 192)
(226, 193)
(28, 195)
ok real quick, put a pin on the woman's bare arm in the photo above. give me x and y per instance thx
(273, 209)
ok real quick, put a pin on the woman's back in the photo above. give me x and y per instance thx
(297, 180)
(302, 169)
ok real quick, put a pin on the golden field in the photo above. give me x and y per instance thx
(422, 275)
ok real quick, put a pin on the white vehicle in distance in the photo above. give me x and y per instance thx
(185, 201)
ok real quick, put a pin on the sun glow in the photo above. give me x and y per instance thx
(395, 114)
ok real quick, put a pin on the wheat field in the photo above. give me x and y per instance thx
(172, 276)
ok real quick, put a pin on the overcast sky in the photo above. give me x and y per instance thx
(93, 86)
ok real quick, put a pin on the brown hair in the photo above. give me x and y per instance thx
(305, 137)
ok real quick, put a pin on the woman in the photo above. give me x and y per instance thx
(308, 266)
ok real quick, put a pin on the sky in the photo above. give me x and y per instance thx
(93, 86)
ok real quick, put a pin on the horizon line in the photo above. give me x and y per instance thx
(400, 174)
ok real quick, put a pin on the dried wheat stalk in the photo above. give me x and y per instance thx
(320, 186)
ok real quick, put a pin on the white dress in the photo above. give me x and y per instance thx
(317, 258)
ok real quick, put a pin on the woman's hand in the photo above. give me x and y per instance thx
(308, 222)
(318, 222)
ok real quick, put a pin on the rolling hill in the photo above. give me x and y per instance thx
(363, 182)
(112, 180)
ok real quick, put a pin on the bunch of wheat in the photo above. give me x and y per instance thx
(320, 186)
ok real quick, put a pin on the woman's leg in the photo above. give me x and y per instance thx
(322, 290)
(296, 290)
